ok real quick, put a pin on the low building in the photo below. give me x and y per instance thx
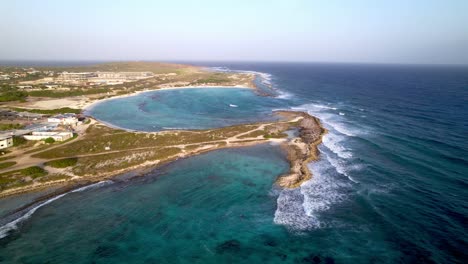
(24, 87)
(4, 77)
(57, 136)
(52, 86)
(6, 142)
(65, 119)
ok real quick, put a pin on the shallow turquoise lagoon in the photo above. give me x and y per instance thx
(198, 108)
(214, 207)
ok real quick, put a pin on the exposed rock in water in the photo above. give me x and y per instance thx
(302, 150)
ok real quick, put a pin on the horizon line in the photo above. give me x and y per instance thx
(221, 61)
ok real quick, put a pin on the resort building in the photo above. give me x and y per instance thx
(75, 76)
(124, 75)
(57, 136)
(101, 78)
(6, 142)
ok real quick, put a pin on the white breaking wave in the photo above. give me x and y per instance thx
(322, 191)
(341, 167)
(283, 94)
(5, 229)
(330, 119)
(290, 211)
(301, 209)
(265, 78)
(332, 142)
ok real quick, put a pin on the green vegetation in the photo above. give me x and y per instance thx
(99, 137)
(34, 172)
(254, 134)
(71, 93)
(21, 178)
(7, 164)
(49, 140)
(62, 163)
(10, 126)
(5, 158)
(48, 112)
(8, 94)
(17, 141)
(275, 135)
(105, 163)
(53, 177)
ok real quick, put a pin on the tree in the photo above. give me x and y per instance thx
(49, 140)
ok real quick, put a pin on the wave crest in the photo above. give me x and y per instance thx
(13, 225)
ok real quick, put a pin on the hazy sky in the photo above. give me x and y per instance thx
(395, 31)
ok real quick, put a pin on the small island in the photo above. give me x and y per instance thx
(92, 151)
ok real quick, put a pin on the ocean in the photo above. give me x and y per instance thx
(389, 187)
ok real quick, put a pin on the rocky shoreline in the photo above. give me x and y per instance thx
(301, 150)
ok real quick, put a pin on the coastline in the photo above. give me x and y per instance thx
(292, 180)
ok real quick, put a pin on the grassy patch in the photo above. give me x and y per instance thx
(34, 172)
(7, 164)
(98, 138)
(104, 163)
(254, 134)
(275, 135)
(62, 163)
(62, 110)
(10, 126)
(54, 177)
(6, 158)
(9, 93)
(71, 93)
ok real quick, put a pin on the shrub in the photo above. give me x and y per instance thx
(49, 140)
(62, 110)
(8, 94)
(18, 141)
(34, 172)
(62, 163)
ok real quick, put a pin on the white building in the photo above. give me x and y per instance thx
(75, 76)
(6, 142)
(4, 77)
(57, 136)
(65, 119)
(24, 87)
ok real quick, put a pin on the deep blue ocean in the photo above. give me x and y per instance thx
(390, 185)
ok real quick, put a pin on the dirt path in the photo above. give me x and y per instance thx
(26, 160)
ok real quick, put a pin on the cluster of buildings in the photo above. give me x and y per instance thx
(22, 73)
(59, 127)
(84, 79)
(101, 78)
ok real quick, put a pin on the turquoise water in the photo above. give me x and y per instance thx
(214, 207)
(187, 109)
(390, 185)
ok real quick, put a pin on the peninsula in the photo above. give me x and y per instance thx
(96, 151)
